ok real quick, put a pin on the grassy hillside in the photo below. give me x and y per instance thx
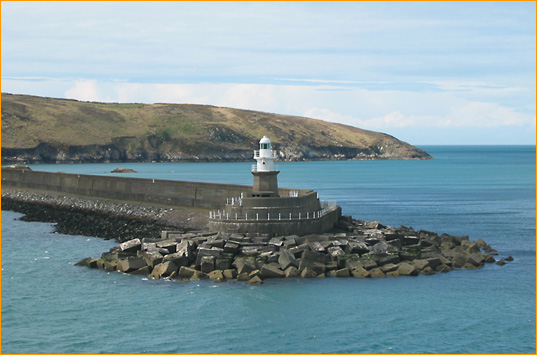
(39, 129)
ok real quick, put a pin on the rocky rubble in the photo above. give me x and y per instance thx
(363, 249)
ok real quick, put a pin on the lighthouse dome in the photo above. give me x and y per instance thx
(264, 143)
(264, 140)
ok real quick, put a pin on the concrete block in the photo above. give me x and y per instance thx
(152, 258)
(186, 272)
(270, 271)
(291, 271)
(314, 256)
(286, 259)
(163, 270)
(343, 272)
(406, 269)
(131, 263)
(334, 252)
(207, 264)
(316, 246)
(131, 245)
(230, 274)
(376, 273)
(360, 272)
(354, 247)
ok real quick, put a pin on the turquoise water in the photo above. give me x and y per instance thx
(49, 306)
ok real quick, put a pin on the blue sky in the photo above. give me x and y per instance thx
(425, 72)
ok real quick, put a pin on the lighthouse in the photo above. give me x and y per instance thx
(265, 175)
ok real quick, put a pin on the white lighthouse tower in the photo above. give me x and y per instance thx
(265, 155)
(265, 177)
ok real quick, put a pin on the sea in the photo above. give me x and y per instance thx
(50, 306)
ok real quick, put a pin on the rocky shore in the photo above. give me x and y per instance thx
(361, 249)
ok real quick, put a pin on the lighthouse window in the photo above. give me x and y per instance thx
(265, 145)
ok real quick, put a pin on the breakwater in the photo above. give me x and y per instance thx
(359, 249)
(96, 217)
(169, 192)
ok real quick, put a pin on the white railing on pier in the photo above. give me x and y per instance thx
(223, 215)
(234, 201)
(293, 193)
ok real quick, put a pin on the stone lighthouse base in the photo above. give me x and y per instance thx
(278, 225)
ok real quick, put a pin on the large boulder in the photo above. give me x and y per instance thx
(342, 272)
(308, 273)
(354, 247)
(186, 272)
(335, 251)
(207, 264)
(256, 280)
(376, 273)
(360, 272)
(406, 269)
(313, 256)
(152, 258)
(459, 261)
(131, 245)
(216, 274)
(271, 271)
(291, 271)
(131, 263)
(163, 270)
(286, 259)
(244, 265)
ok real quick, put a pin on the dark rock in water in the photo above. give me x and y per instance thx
(215, 275)
(501, 262)
(186, 272)
(459, 261)
(509, 258)
(152, 258)
(131, 263)
(141, 271)
(244, 265)
(308, 273)
(84, 262)
(123, 170)
(405, 269)
(291, 271)
(163, 270)
(256, 280)
(271, 271)
(360, 272)
(343, 272)
(376, 273)
(230, 274)
(427, 271)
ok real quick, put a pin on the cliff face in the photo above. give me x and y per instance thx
(45, 130)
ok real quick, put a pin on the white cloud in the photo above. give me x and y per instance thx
(471, 114)
(85, 90)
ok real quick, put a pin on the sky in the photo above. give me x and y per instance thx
(424, 72)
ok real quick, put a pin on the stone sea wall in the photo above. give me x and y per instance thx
(359, 249)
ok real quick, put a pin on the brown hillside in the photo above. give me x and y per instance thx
(39, 129)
